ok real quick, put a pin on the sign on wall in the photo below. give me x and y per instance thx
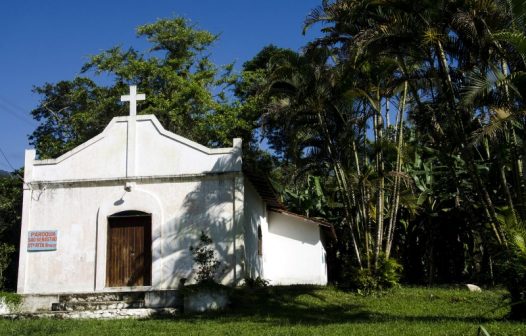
(42, 240)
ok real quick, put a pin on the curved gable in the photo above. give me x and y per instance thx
(135, 147)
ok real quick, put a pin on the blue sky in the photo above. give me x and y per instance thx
(49, 41)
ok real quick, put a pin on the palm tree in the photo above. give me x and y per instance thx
(433, 35)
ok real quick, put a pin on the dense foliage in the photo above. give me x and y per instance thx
(402, 124)
(185, 91)
(11, 188)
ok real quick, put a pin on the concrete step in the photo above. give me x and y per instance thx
(151, 299)
(102, 297)
(106, 314)
(96, 305)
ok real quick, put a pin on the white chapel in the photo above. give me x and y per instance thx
(120, 212)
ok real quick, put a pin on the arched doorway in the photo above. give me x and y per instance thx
(129, 249)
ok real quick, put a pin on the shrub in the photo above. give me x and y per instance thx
(256, 283)
(388, 273)
(386, 276)
(204, 256)
(513, 272)
(6, 250)
(11, 299)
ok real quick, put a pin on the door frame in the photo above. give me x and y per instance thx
(147, 229)
(134, 200)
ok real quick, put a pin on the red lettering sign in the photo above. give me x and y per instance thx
(42, 240)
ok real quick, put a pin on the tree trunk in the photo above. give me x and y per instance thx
(396, 187)
(489, 209)
(348, 194)
(378, 139)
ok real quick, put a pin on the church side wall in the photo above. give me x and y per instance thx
(187, 207)
(255, 214)
(294, 253)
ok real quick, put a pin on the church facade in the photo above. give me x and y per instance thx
(121, 211)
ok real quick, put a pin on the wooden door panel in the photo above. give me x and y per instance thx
(129, 251)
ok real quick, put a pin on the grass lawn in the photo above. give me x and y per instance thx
(312, 311)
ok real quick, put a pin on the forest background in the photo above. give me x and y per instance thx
(402, 125)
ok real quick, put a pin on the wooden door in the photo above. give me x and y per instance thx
(129, 255)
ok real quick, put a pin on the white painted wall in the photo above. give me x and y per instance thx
(187, 188)
(186, 208)
(170, 154)
(255, 214)
(151, 151)
(293, 252)
(83, 163)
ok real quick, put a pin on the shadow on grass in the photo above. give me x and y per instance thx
(280, 305)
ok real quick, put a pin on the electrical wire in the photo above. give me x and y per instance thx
(6, 159)
(14, 172)
(16, 113)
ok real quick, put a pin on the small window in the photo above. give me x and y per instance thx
(260, 241)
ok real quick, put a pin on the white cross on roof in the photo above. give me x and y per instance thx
(133, 97)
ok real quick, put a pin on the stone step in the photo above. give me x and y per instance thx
(106, 314)
(96, 305)
(102, 297)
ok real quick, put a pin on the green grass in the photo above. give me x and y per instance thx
(312, 311)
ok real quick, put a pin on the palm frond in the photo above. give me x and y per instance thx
(358, 92)
(490, 130)
(518, 9)
(481, 85)
(316, 15)
(515, 38)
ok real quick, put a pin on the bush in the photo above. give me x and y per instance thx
(11, 299)
(512, 266)
(386, 276)
(204, 256)
(256, 283)
(388, 273)
(6, 250)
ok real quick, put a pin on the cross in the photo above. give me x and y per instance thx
(133, 97)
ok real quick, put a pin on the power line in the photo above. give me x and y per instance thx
(17, 116)
(20, 113)
(6, 159)
(16, 111)
(3, 166)
(15, 106)
(14, 172)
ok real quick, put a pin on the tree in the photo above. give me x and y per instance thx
(11, 188)
(184, 89)
(434, 45)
